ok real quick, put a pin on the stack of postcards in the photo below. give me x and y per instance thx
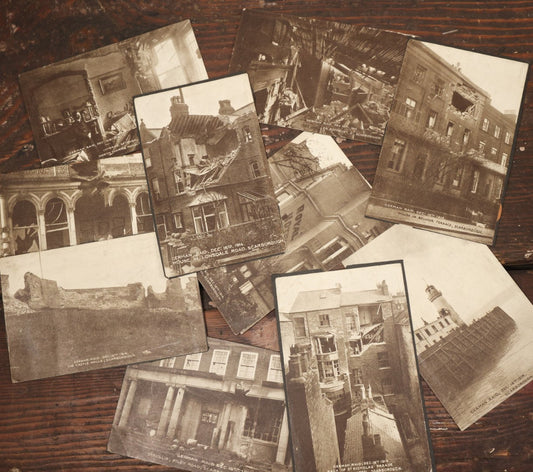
(104, 247)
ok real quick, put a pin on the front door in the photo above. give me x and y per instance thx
(208, 422)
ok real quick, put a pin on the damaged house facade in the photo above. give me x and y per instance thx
(211, 190)
(446, 146)
(347, 368)
(223, 406)
(65, 205)
(322, 211)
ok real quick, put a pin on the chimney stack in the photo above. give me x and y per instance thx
(178, 107)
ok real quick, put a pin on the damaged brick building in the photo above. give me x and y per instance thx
(209, 182)
(447, 148)
(347, 356)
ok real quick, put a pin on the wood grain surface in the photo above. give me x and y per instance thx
(62, 424)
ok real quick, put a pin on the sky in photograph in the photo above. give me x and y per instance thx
(112, 263)
(467, 273)
(351, 280)
(202, 99)
(502, 78)
(324, 147)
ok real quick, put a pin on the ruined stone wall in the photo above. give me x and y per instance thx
(42, 293)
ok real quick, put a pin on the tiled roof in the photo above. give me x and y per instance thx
(327, 299)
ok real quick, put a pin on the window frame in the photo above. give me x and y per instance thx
(195, 359)
(275, 374)
(242, 370)
(217, 364)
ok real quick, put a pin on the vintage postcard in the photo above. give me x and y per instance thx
(473, 325)
(353, 393)
(96, 305)
(221, 410)
(319, 76)
(211, 188)
(447, 151)
(81, 108)
(322, 199)
(72, 204)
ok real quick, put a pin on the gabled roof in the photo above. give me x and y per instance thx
(317, 300)
(194, 125)
(327, 299)
(364, 297)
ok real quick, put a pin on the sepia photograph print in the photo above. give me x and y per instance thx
(209, 181)
(353, 393)
(81, 108)
(319, 76)
(66, 205)
(220, 410)
(97, 305)
(449, 141)
(473, 325)
(322, 199)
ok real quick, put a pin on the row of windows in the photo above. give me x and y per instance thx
(435, 329)
(248, 138)
(56, 222)
(492, 184)
(409, 110)
(300, 328)
(461, 103)
(219, 363)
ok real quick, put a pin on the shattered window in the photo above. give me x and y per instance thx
(432, 119)
(438, 88)
(420, 73)
(144, 214)
(325, 344)
(466, 136)
(25, 227)
(410, 105)
(449, 128)
(55, 217)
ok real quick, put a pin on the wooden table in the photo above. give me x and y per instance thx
(62, 424)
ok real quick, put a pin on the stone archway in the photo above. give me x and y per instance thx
(120, 217)
(92, 218)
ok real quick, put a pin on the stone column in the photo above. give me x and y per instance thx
(71, 226)
(224, 424)
(3, 212)
(240, 419)
(42, 229)
(128, 404)
(133, 213)
(283, 440)
(163, 422)
(172, 425)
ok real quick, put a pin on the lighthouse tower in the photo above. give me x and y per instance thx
(442, 305)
